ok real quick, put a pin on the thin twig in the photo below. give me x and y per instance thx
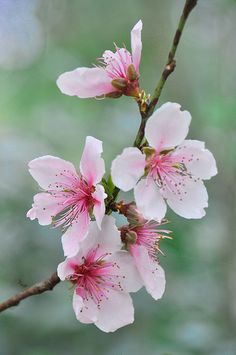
(36, 289)
(49, 284)
(171, 62)
(169, 68)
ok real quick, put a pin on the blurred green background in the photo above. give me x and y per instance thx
(40, 39)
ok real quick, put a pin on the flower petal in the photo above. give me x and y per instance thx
(45, 206)
(85, 82)
(116, 311)
(151, 272)
(136, 44)
(149, 200)
(167, 127)
(92, 165)
(75, 234)
(67, 267)
(108, 238)
(50, 171)
(86, 310)
(99, 205)
(130, 279)
(190, 199)
(198, 160)
(127, 168)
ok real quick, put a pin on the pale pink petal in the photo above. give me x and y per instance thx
(86, 311)
(74, 235)
(190, 199)
(198, 160)
(167, 127)
(130, 279)
(77, 303)
(45, 206)
(67, 267)
(149, 200)
(127, 168)
(99, 205)
(151, 272)
(108, 238)
(116, 311)
(50, 172)
(92, 166)
(85, 82)
(136, 44)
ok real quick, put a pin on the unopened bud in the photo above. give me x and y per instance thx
(119, 83)
(131, 73)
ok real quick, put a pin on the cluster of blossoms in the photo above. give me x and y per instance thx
(105, 263)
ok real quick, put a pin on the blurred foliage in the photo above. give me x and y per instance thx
(41, 39)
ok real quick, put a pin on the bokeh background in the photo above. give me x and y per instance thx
(40, 39)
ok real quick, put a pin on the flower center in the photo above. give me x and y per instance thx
(145, 233)
(149, 236)
(95, 277)
(116, 64)
(119, 67)
(74, 197)
(166, 169)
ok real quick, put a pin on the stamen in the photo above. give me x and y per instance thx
(96, 277)
(74, 199)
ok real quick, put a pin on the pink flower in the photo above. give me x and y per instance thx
(118, 74)
(103, 275)
(170, 169)
(142, 239)
(69, 198)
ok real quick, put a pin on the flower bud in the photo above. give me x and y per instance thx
(131, 73)
(119, 83)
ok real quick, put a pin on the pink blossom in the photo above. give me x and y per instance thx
(117, 75)
(102, 275)
(142, 239)
(170, 169)
(70, 198)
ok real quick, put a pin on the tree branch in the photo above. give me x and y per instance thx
(36, 289)
(50, 283)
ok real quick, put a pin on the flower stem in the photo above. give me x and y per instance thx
(171, 62)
